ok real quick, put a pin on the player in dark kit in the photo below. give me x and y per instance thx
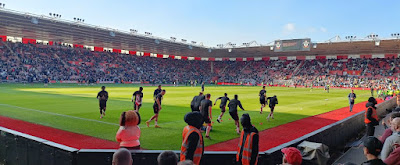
(157, 108)
(272, 102)
(205, 110)
(262, 95)
(202, 87)
(198, 101)
(194, 105)
(233, 104)
(157, 91)
(137, 98)
(372, 91)
(224, 101)
(46, 81)
(102, 96)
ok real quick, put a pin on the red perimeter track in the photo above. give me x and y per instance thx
(268, 138)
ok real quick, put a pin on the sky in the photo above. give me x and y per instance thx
(213, 22)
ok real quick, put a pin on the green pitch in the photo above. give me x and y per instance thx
(75, 108)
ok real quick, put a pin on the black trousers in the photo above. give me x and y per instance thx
(370, 129)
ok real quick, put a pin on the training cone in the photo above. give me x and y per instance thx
(229, 118)
(260, 123)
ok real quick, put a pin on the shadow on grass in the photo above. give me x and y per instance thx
(284, 128)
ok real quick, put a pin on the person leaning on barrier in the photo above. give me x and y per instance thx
(128, 133)
(247, 153)
(371, 116)
(122, 157)
(192, 144)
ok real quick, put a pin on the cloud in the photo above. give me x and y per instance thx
(289, 28)
(311, 30)
(323, 29)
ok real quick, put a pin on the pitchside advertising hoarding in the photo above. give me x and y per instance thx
(292, 45)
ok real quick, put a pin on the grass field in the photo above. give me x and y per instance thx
(75, 108)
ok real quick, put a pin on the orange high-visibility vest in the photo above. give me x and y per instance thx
(247, 148)
(374, 115)
(198, 153)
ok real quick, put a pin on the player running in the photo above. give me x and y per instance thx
(138, 96)
(102, 96)
(198, 101)
(157, 108)
(272, 102)
(205, 110)
(222, 106)
(233, 104)
(194, 105)
(262, 95)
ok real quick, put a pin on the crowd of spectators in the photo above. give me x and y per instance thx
(384, 150)
(35, 63)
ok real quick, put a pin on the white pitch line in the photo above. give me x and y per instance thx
(57, 114)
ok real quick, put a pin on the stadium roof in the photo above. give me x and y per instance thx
(40, 27)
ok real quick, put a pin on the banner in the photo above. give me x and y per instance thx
(68, 81)
(226, 83)
(106, 82)
(292, 45)
(336, 72)
(352, 72)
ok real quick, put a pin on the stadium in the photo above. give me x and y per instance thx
(52, 69)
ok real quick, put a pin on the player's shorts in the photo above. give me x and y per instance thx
(262, 100)
(234, 115)
(272, 108)
(136, 106)
(206, 119)
(103, 104)
(222, 108)
(155, 108)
